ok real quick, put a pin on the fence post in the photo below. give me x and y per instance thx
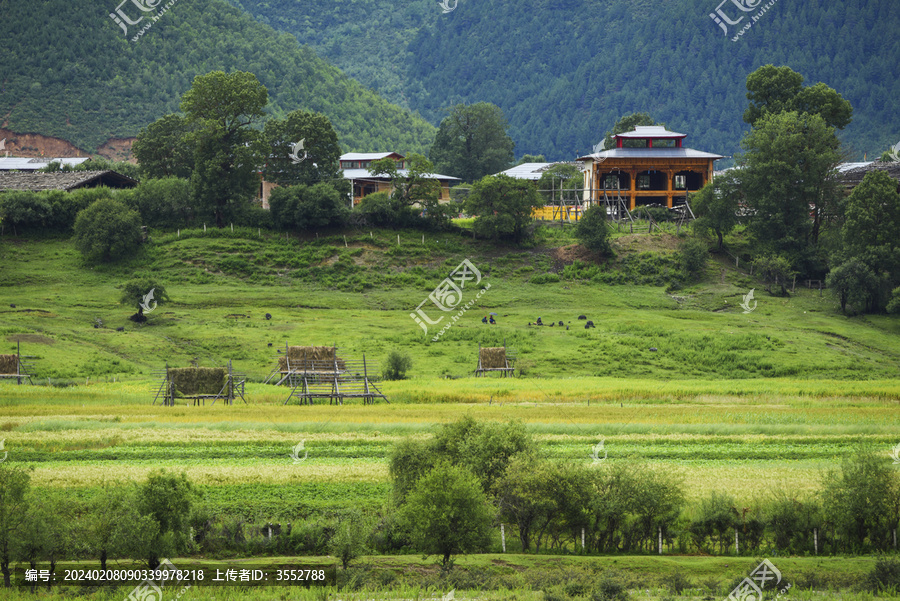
(737, 549)
(582, 539)
(503, 536)
(660, 540)
(816, 540)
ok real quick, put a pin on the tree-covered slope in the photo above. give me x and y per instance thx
(67, 70)
(563, 71)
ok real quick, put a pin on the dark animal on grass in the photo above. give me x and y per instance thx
(120, 329)
(582, 317)
(268, 316)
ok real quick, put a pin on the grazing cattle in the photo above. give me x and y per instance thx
(268, 316)
(120, 329)
(589, 324)
(582, 317)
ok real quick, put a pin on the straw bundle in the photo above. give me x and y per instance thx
(8, 364)
(310, 358)
(493, 357)
(191, 381)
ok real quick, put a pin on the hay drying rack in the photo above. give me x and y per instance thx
(232, 389)
(500, 359)
(333, 378)
(22, 368)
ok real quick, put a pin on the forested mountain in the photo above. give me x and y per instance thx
(563, 71)
(67, 70)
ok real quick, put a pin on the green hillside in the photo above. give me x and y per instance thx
(68, 71)
(360, 297)
(563, 71)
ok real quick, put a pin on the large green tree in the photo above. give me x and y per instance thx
(773, 90)
(163, 150)
(870, 256)
(447, 513)
(167, 499)
(317, 160)
(472, 141)
(227, 150)
(504, 206)
(785, 177)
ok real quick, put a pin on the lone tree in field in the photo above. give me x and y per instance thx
(716, 206)
(106, 231)
(447, 513)
(472, 141)
(143, 292)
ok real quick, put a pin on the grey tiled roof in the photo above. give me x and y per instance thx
(63, 180)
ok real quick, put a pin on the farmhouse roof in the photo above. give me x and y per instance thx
(63, 180)
(33, 164)
(852, 177)
(365, 174)
(653, 153)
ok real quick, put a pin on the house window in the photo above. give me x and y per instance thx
(680, 182)
(643, 181)
(611, 182)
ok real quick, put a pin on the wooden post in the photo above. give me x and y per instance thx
(582, 539)
(204, 228)
(660, 540)
(232, 227)
(18, 362)
(345, 241)
(816, 540)
(737, 549)
(503, 536)
(398, 239)
(179, 232)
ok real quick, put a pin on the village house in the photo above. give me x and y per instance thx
(648, 166)
(355, 167)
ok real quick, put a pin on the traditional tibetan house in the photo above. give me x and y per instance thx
(648, 166)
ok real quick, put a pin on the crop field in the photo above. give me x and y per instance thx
(680, 380)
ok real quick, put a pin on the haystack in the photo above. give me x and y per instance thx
(493, 357)
(9, 364)
(192, 381)
(310, 358)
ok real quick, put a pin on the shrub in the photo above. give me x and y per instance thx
(545, 278)
(396, 366)
(692, 256)
(592, 231)
(162, 203)
(884, 576)
(306, 207)
(107, 230)
(609, 588)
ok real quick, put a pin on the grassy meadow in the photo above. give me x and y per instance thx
(678, 377)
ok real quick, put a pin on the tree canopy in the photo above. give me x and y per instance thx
(472, 141)
(773, 90)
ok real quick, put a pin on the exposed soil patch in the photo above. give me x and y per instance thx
(645, 242)
(569, 254)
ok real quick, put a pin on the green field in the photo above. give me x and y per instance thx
(740, 403)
